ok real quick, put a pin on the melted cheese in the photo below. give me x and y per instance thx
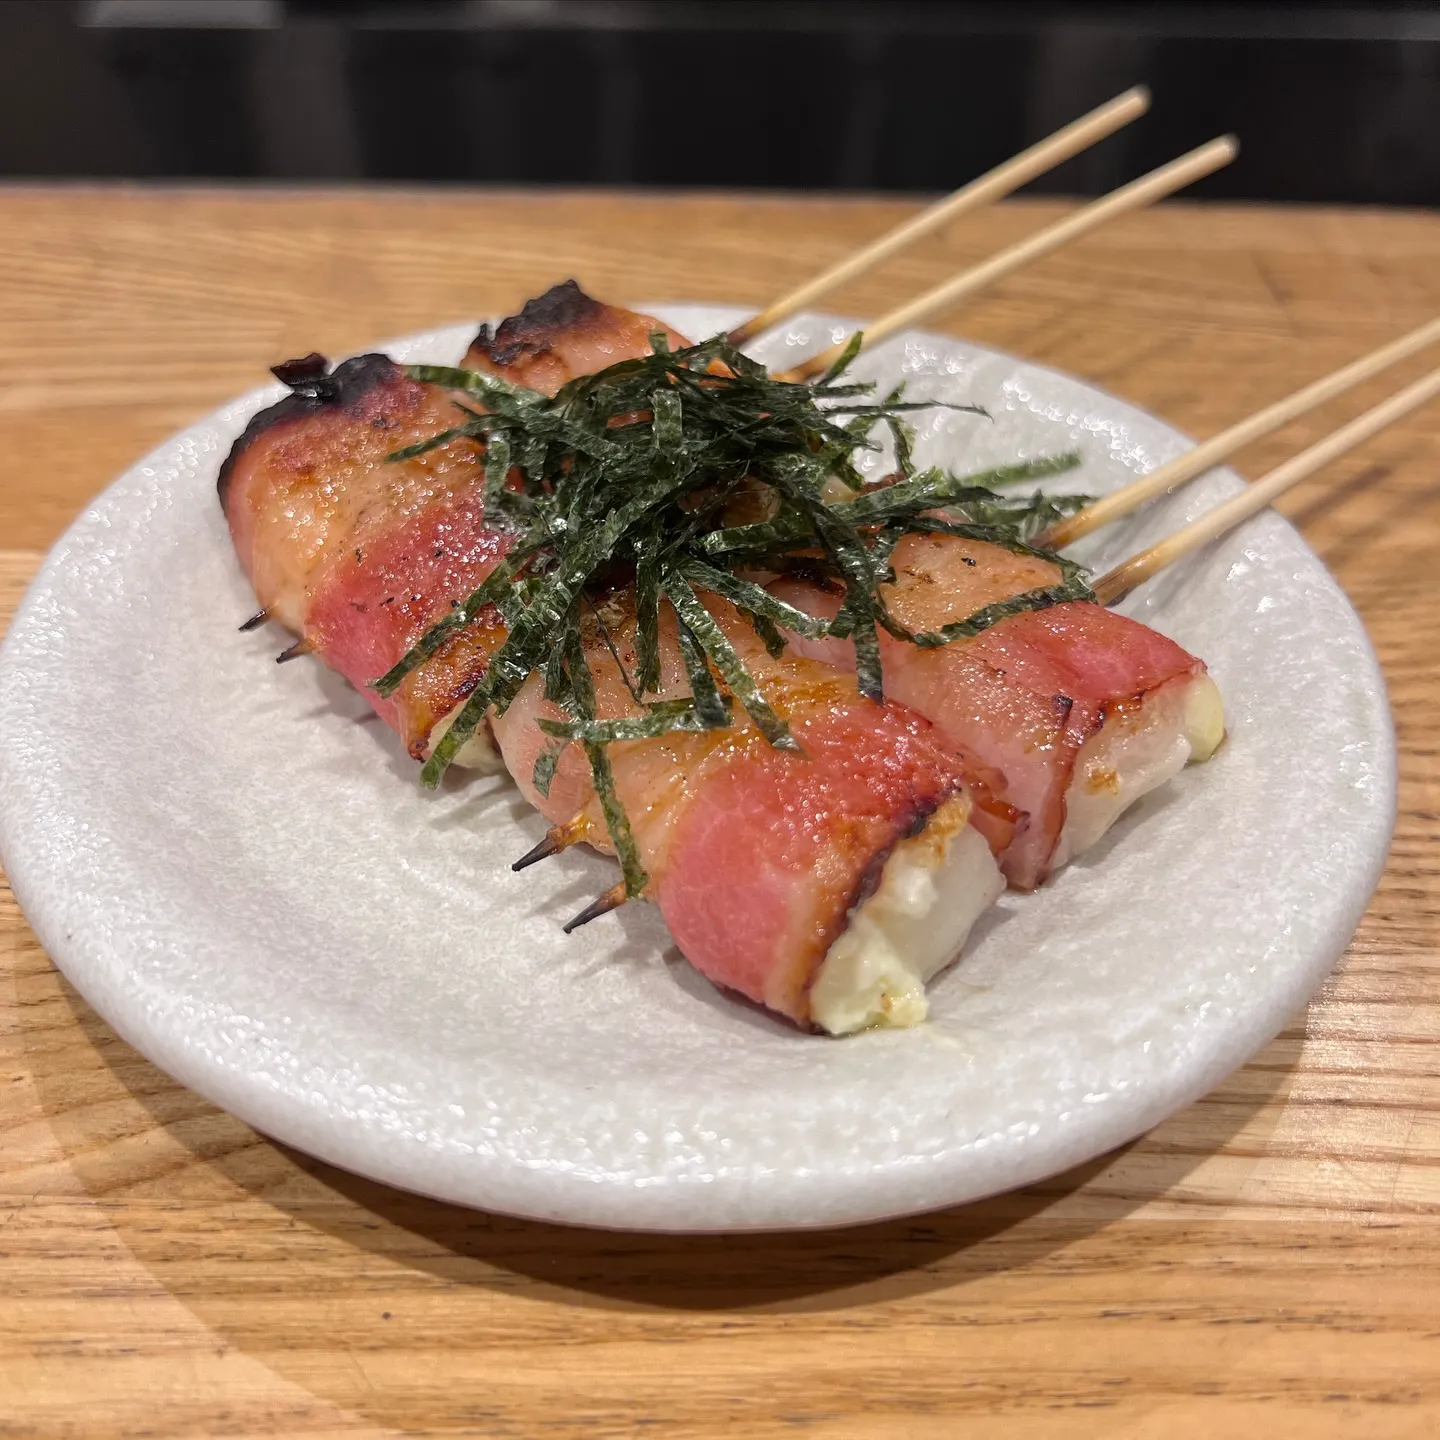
(478, 752)
(1135, 752)
(932, 890)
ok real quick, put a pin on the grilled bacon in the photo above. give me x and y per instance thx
(1082, 710)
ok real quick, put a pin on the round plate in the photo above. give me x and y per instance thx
(236, 866)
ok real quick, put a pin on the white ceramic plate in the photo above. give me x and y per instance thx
(235, 865)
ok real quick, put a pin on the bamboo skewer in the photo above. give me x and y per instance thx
(991, 186)
(1120, 581)
(1138, 193)
(1220, 447)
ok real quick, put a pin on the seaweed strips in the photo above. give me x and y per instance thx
(628, 477)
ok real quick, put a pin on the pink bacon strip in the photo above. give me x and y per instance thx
(1024, 696)
(757, 856)
(359, 555)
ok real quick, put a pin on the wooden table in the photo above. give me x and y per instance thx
(1266, 1262)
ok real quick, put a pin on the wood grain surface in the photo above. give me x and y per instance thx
(1266, 1262)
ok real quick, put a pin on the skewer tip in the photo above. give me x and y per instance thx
(303, 646)
(547, 847)
(612, 899)
(555, 839)
(256, 620)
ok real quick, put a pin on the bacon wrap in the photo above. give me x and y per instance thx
(774, 850)
(1025, 694)
(756, 855)
(361, 555)
(560, 335)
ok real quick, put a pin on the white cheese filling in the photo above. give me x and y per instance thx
(478, 752)
(937, 884)
(932, 890)
(1134, 752)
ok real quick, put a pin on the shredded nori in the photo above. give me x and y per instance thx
(625, 478)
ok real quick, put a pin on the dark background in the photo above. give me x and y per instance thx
(1332, 102)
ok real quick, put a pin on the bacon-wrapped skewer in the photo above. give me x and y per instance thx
(360, 556)
(357, 556)
(828, 882)
(1081, 709)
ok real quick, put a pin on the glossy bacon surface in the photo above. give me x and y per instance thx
(560, 335)
(358, 554)
(1022, 696)
(361, 555)
(756, 855)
